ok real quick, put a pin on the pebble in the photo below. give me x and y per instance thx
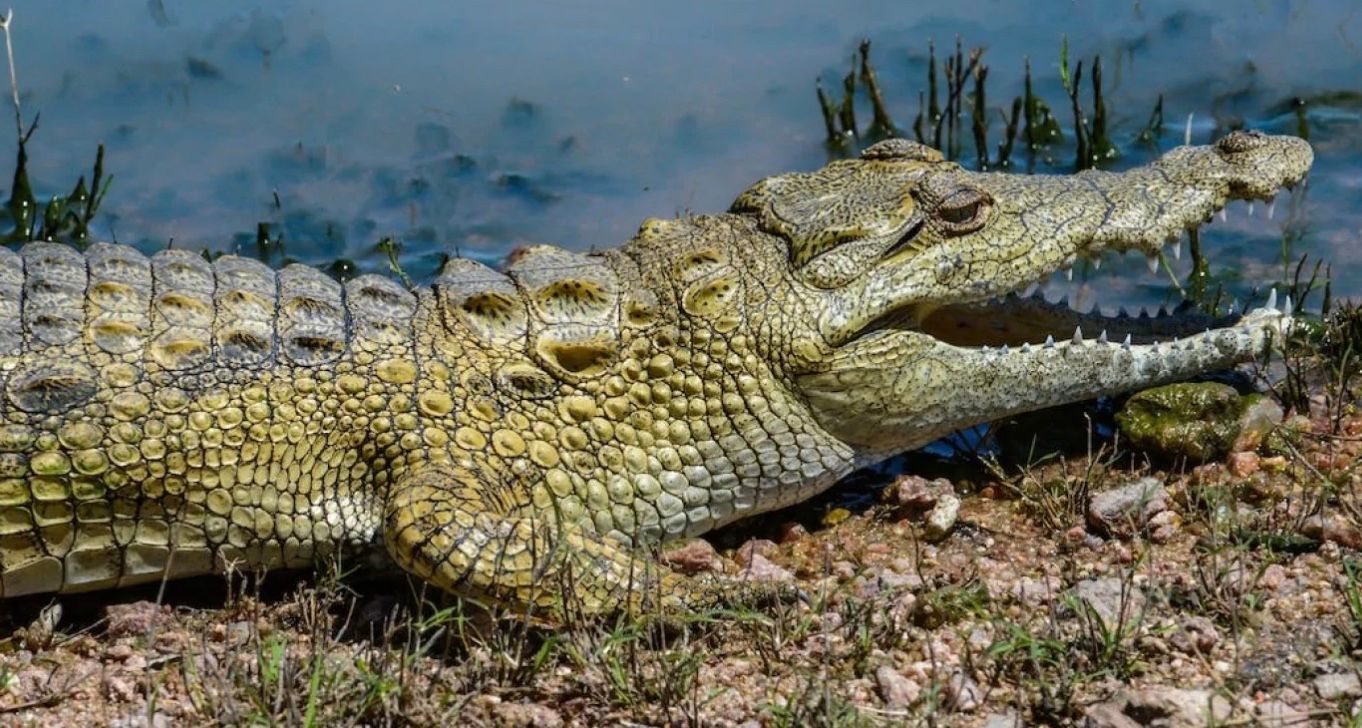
(942, 518)
(693, 557)
(754, 547)
(760, 568)
(135, 619)
(1126, 511)
(1117, 604)
(897, 690)
(1332, 527)
(1259, 418)
(1243, 464)
(1338, 685)
(916, 494)
(1002, 720)
(963, 693)
(1197, 636)
(527, 715)
(1162, 706)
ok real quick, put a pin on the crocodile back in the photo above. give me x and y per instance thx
(168, 415)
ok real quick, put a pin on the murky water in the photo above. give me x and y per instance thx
(474, 127)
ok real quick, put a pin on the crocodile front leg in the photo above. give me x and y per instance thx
(880, 385)
(449, 527)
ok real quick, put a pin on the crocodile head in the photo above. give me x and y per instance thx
(900, 257)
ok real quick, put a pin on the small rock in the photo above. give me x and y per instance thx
(894, 580)
(903, 607)
(1243, 464)
(1033, 592)
(756, 546)
(942, 518)
(916, 494)
(1332, 527)
(1199, 421)
(1274, 464)
(1110, 714)
(897, 690)
(1338, 685)
(834, 517)
(792, 531)
(963, 694)
(120, 688)
(1163, 526)
(120, 652)
(1075, 536)
(1160, 706)
(844, 570)
(1176, 708)
(1198, 636)
(135, 619)
(140, 720)
(1258, 417)
(1002, 720)
(760, 568)
(1126, 511)
(1276, 714)
(693, 557)
(1117, 602)
(1273, 577)
(527, 715)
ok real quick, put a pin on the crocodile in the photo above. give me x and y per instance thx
(522, 437)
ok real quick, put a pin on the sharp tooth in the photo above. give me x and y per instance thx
(1005, 349)
(1224, 216)
(1286, 308)
(1123, 313)
(1208, 336)
(1233, 305)
(1026, 348)
(1049, 342)
(1157, 350)
(1031, 290)
(1250, 206)
(1271, 208)
(1102, 338)
(1272, 300)
(1177, 250)
(1097, 264)
(1153, 264)
(1187, 133)
(1078, 334)
(1069, 273)
(1126, 344)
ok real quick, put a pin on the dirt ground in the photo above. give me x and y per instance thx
(1087, 587)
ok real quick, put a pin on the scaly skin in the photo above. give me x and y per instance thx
(514, 437)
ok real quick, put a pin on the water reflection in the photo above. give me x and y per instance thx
(473, 127)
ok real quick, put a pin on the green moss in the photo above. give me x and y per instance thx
(1199, 421)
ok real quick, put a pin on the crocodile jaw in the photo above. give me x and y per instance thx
(896, 390)
(1042, 224)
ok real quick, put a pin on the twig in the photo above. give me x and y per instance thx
(13, 77)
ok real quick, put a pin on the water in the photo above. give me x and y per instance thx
(476, 127)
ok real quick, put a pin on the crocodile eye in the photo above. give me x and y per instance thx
(963, 211)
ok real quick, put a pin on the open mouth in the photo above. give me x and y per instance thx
(1026, 318)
